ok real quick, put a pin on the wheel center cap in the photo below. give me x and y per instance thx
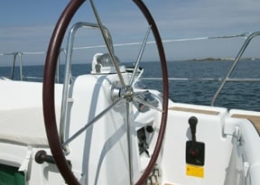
(127, 93)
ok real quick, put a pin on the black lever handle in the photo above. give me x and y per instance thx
(41, 157)
(193, 124)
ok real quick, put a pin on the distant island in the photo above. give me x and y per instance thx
(221, 59)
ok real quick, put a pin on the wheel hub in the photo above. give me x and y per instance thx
(126, 93)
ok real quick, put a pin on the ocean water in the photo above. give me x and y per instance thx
(190, 81)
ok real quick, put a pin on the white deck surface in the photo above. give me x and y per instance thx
(21, 114)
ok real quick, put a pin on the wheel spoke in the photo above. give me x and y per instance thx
(140, 55)
(147, 104)
(129, 143)
(110, 52)
(96, 118)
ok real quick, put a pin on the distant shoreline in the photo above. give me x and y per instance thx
(220, 59)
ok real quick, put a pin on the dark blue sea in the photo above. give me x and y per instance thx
(191, 81)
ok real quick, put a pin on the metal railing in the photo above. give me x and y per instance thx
(18, 56)
(238, 57)
(68, 76)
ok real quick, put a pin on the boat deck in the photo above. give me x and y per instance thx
(194, 110)
(254, 119)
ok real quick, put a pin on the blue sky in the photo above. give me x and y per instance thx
(27, 26)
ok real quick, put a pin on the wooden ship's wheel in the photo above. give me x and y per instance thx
(48, 91)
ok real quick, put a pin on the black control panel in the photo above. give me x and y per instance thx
(195, 151)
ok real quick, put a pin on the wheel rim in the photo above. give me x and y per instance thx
(158, 41)
(48, 91)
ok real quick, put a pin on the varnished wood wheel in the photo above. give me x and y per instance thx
(48, 91)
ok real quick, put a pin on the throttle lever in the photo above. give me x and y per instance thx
(195, 151)
(193, 123)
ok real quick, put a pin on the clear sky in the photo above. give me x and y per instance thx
(27, 26)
